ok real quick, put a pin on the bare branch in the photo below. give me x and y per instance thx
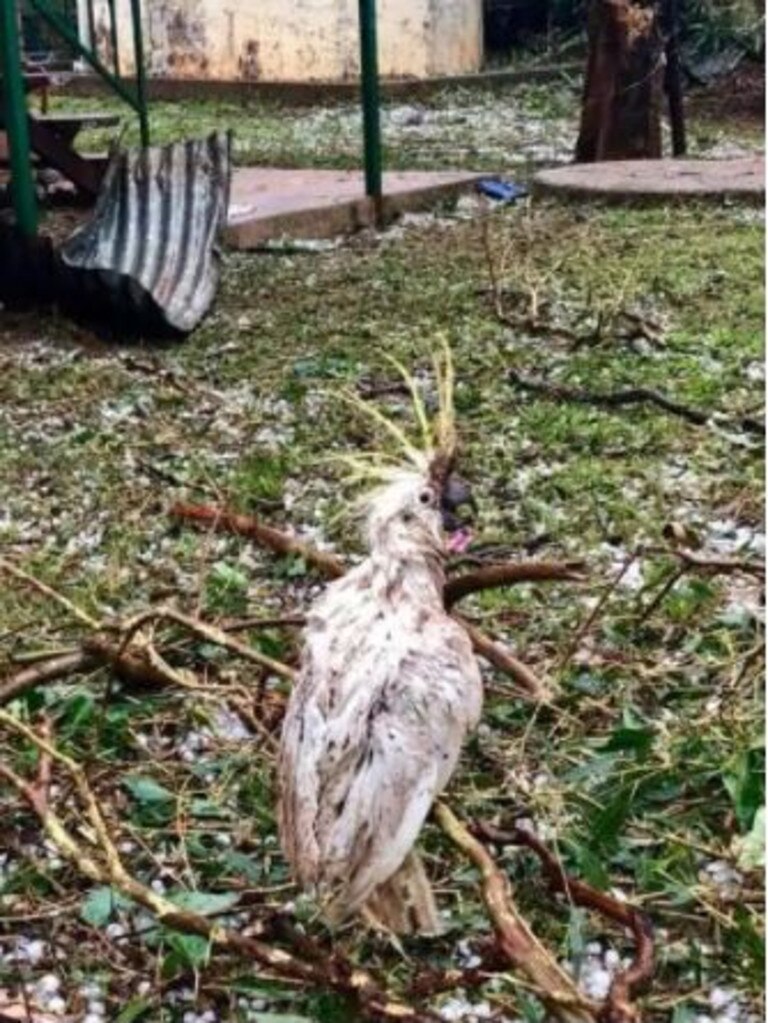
(711, 563)
(504, 660)
(510, 574)
(618, 1006)
(555, 988)
(629, 396)
(104, 866)
(13, 686)
(268, 536)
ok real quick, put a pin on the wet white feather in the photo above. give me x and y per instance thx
(387, 691)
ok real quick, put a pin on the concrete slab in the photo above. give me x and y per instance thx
(268, 203)
(625, 180)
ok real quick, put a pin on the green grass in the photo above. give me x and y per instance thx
(514, 127)
(649, 765)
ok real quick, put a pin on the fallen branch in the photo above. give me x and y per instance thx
(510, 574)
(19, 683)
(629, 396)
(456, 588)
(211, 634)
(137, 663)
(104, 866)
(618, 1006)
(246, 525)
(532, 688)
(711, 563)
(513, 935)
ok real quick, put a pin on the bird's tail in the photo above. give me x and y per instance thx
(405, 904)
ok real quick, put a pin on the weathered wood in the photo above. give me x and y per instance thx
(56, 151)
(621, 109)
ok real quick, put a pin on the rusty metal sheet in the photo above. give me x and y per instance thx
(148, 253)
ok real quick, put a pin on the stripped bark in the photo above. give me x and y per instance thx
(618, 1007)
(513, 935)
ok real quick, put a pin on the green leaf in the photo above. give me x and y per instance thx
(576, 934)
(147, 790)
(751, 848)
(634, 740)
(589, 866)
(747, 944)
(204, 902)
(226, 589)
(244, 866)
(296, 569)
(78, 711)
(607, 823)
(99, 905)
(684, 1012)
(743, 777)
(227, 575)
(330, 1007)
(279, 1017)
(207, 808)
(192, 950)
(133, 1010)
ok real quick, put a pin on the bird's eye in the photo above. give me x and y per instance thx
(425, 497)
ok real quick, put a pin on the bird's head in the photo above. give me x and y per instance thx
(415, 512)
(420, 505)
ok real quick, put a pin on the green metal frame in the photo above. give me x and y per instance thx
(369, 70)
(14, 99)
(15, 111)
(135, 98)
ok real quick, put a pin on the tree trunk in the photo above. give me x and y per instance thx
(621, 109)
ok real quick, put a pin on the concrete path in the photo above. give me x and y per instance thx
(267, 203)
(644, 179)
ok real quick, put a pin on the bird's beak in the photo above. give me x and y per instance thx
(458, 508)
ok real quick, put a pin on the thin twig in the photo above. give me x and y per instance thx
(212, 634)
(629, 396)
(594, 613)
(710, 562)
(48, 591)
(44, 765)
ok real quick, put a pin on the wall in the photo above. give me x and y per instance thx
(296, 40)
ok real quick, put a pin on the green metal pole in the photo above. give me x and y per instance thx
(69, 34)
(113, 37)
(141, 75)
(16, 126)
(369, 69)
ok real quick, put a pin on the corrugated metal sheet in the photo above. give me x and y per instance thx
(148, 253)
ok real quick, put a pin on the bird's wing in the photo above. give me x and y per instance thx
(366, 754)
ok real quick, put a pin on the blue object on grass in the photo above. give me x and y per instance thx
(501, 191)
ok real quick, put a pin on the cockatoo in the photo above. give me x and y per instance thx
(387, 691)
